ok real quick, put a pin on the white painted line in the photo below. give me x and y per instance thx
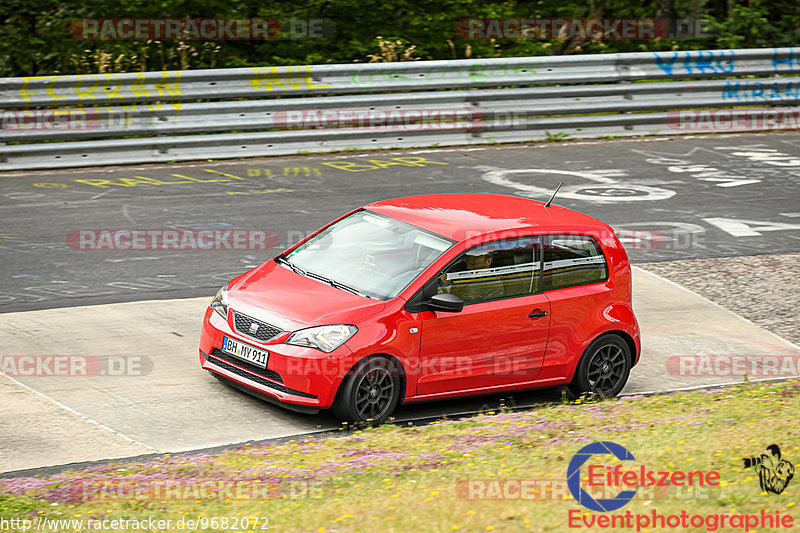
(127, 215)
(76, 413)
(441, 150)
(268, 439)
(707, 386)
(96, 196)
(311, 157)
(715, 304)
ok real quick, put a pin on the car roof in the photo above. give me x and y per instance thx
(458, 215)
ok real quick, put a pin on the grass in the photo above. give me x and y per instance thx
(556, 137)
(396, 478)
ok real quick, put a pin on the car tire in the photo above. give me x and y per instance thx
(603, 369)
(369, 392)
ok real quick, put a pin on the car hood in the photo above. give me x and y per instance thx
(290, 301)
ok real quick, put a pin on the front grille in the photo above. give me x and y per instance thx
(218, 358)
(265, 331)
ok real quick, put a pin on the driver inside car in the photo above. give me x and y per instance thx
(471, 279)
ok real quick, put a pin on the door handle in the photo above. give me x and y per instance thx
(537, 314)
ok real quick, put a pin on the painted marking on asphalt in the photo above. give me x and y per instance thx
(749, 228)
(135, 181)
(126, 214)
(608, 190)
(440, 150)
(297, 171)
(499, 148)
(96, 196)
(707, 173)
(259, 191)
(704, 387)
(76, 413)
(768, 156)
(292, 172)
(380, 164)
(219, 172)
(196, 180)
(52, 185)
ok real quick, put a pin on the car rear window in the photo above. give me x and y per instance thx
(571, 260)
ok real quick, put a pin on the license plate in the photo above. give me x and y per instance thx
(245, 352)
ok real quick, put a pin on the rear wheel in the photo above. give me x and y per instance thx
(369, 393)
(604, 368)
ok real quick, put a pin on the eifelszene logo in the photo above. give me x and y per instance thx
(612, 477)
(595, 458)
(574, 476)
(774, 473)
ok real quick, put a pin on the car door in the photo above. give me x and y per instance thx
(500, 336)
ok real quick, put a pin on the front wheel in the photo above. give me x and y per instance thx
(369, 392)
(604, 368)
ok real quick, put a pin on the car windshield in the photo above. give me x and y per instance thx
(368, 253)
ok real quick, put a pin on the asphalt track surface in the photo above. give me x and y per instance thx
(671, 198)
(691, 197)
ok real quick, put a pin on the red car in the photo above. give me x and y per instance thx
(429, 297)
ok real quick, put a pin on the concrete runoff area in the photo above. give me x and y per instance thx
(148, 393)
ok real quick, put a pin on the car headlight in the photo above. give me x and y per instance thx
(325, 338)
(220, 302)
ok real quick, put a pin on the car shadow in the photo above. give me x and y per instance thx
(468, 406)
(429, 411)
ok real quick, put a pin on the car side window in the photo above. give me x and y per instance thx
(571, 260)
(499, 269)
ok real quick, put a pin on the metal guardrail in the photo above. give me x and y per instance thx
(172, 116)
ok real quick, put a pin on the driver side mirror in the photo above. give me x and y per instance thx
(451, 303)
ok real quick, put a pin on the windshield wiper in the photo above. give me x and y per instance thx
(283, 261)
(348, 288)
(336, 284)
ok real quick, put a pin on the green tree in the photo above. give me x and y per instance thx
(35, 37)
